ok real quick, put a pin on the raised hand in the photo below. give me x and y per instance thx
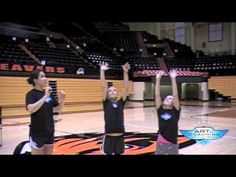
(48, 91)
(61, 95)
(126, 67)
(173, 73)
(159, 74)
(104, 66)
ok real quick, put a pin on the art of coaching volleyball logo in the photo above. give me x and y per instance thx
(204, 134)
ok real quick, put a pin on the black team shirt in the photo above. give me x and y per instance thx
(168, 123)
(42, 122)
(114, 116)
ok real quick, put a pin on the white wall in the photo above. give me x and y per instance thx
(235, 33)
(160, 29)
(201, 35)
(195, 36)
(233, 38)
(169, 31)
(138, 91)
(189, 35)
(151, 27)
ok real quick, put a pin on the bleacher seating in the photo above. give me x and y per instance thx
(180, 50)
(11, 53)
(149, 38)
(56, 52)
(179, 63)
(96, 58)
(139, 63)
(59, 55)
(124, 41)
(216, 65)
(82, 38)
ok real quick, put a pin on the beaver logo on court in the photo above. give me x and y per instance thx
(91, 143)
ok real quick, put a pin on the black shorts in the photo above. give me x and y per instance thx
(113, 145)
(39, 142)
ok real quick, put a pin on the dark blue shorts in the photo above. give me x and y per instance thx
(39, 142)
(113, 145)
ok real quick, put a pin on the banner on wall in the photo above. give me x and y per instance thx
(29, 68)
